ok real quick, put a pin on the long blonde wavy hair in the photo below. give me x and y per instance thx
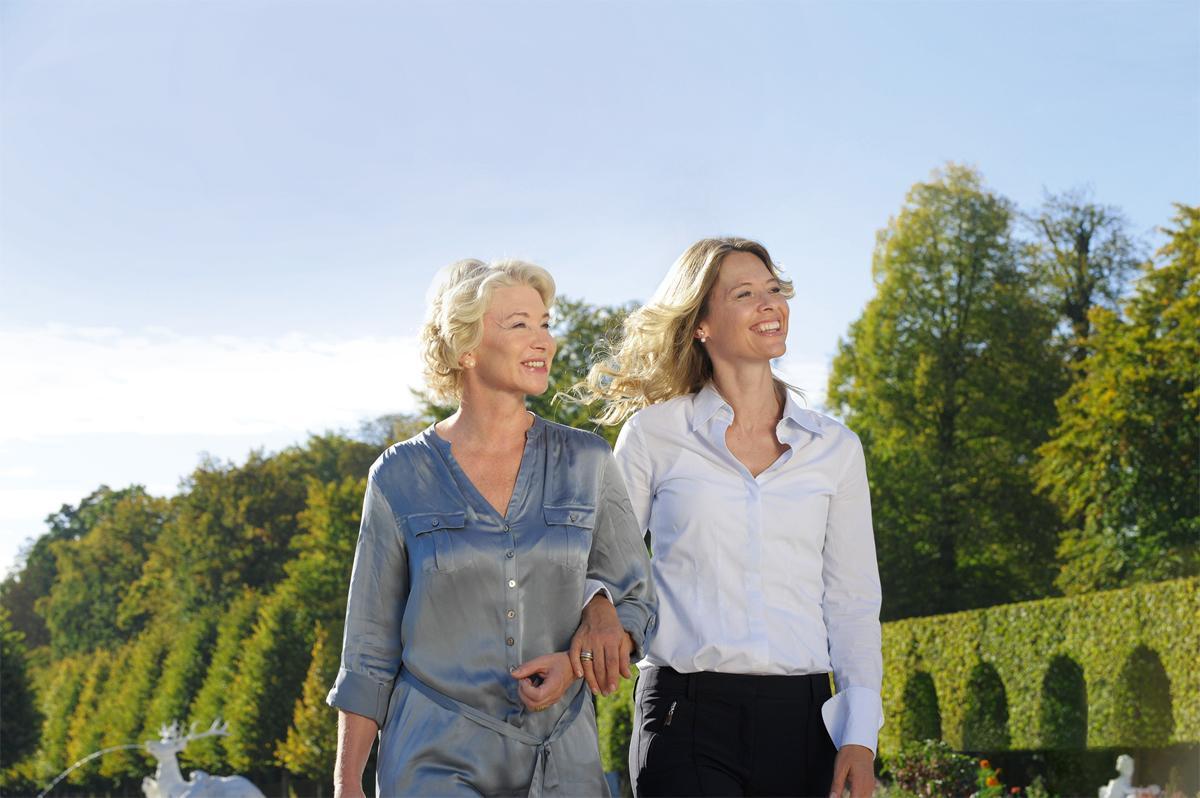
(658, 356)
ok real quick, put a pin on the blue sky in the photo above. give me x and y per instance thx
(218, 219)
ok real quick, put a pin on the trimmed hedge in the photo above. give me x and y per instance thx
(1111, 669)
(1136, 650)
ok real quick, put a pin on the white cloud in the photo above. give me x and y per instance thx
(78, 380)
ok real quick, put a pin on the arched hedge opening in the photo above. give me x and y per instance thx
(985, 719)
(1064, 711)
(921, 718)
(1143, 712)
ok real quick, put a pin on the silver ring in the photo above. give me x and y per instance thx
(585, 656)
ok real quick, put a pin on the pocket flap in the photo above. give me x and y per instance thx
(424, 523)
(579, 516)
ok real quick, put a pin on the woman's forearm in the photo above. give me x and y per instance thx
(356, 734)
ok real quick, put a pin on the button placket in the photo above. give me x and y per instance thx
(511, 604)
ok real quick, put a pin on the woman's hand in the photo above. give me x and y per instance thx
(600, 632)
(854, 768)
(553, 677)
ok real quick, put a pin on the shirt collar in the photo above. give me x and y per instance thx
(707, 402)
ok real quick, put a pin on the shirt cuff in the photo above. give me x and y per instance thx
(590, 588)
(639, 622)
(854, 717)
(362, 695)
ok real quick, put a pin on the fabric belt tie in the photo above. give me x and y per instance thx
(545, 771)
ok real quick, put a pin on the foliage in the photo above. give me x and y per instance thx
(19, 718)
(614, 720)
(578, 328)
(311, 744)
(949, 378)
(269, 676)
(1083, 257)
(58, 687)
(1064, 705)
(1106, 635)
(921, 719)
(94, 569)
(987, 781)
(87, 723)
(985, 717)
(931, 769)
(1124, 461)
(235, 626)
(127, 697)
(182, 673)
(37, 568)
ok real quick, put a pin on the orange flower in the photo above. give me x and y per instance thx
(983, 763)
(992, 781)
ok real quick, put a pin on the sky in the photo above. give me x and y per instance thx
(218, 220)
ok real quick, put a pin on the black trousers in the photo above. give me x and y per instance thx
(728, 734)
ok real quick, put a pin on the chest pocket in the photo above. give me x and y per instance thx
(435, 535)
(570, 534)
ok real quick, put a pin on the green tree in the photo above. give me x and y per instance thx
(268, 680)
(182, 673)
(311, 745)
(38, 569)
(949, 379)
(86, 729)
(1122, 464)
(579, 328)
(125, 702)
(235, 626)
(58, 688)
(1084, 256)
(19, 717)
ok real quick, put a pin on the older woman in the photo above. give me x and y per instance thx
(478, 539)
(764, 559)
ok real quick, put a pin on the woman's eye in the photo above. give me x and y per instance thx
(517, 326)
(776, 289)
(743, 295)
(545, 325)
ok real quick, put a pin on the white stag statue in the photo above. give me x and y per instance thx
(168, 781)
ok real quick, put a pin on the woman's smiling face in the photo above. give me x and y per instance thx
(517, 348)
(747, 315)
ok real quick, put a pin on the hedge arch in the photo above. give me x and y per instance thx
(1099, 632)
(1064, 705)
(921, 718)
(985, 717)
(1143, 713)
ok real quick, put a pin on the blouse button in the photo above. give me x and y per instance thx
(510, 554)
(512, 582)
(572, 516)
(436, 522)
(510, 641)
(511, 614)
(506, 527)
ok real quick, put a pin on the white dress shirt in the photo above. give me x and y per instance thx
(774, 574)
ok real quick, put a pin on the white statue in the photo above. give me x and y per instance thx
(1122, 786)
(168, 781)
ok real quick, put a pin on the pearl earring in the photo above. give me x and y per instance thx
(469, 362)
(703, 338)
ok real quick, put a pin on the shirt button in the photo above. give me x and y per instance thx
(510, 641)
(436, 522)
(506, 527)
(511, 614)
(512, 582)
(510, 554)
(572, 516)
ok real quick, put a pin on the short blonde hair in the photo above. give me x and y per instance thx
(658, 356)
(458, 300)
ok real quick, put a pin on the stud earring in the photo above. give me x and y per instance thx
(469, 362)
(703, 338)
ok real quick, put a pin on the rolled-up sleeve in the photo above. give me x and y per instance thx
(371, 646)
(852, 597)
(619, 560)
